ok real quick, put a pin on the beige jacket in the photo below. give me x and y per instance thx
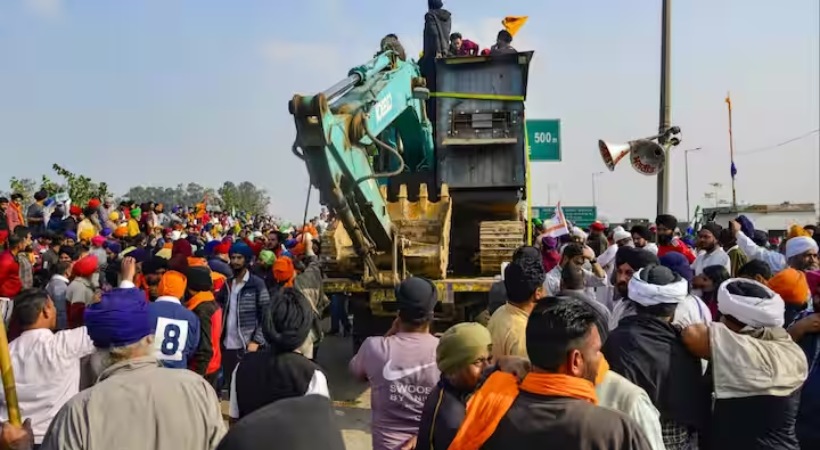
(139, 405)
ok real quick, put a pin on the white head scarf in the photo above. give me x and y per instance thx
(799, 245)
(754, 312)
(577, 232)
(648, 294)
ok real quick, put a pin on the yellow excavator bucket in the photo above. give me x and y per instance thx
(422, 232)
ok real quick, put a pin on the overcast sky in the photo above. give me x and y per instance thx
(158, 92)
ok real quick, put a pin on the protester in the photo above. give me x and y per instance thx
(24, 258)
(712, 254)
(401, 366)
(279, 371)
(641, 237)
(597, 239)
(207, 358)
(756, 270)
(707, 284)
(556, 403)
(46, 364)
(791, 285)
(81, 290)
(244, 299)
(806, 333)
(14, 212)
(299, 423)
(10, 283)
(463, 353)
(135, 391)
(572, 285)
(729, 243)
(57, 290)
(578, 255)
(550, 256)
(36, 215)
(524, 284)
(667, 242)
(503, 44)
(177, 329)
(462, 47)
(646, 349)
(757, 369)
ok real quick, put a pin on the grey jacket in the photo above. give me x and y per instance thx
(251, 305)
(139, 405)
(57, 289)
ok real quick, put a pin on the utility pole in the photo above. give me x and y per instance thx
(732, 152)
(594, 188)
(686, 165)
(665, 104)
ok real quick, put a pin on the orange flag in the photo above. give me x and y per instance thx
(514, 23)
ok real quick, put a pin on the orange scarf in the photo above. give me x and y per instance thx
(492, 401)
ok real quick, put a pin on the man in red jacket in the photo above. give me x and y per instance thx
(667, 242)
(10, 283)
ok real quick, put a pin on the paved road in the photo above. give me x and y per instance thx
(351, 398)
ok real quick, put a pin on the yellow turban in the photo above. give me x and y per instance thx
(797, 231)
(114, 216)
(87, 234)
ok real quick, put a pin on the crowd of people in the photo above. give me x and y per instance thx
(131, 305)
(614, 339)
(128, 325)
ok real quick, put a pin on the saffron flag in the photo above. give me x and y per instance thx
(514, 23)
(557, 225)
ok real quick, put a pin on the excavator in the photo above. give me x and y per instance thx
(421, 183)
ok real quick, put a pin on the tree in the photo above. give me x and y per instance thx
(80, 188)
(24, 186)
(245, 197)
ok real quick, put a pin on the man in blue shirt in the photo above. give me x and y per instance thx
(177, 329)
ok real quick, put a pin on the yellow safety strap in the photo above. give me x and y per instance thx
(469, 96)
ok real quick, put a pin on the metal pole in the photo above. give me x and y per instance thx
(731, 152)
(686, 165)
(665, 103)
(594, 199)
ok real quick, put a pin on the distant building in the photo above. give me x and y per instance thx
(776, 219)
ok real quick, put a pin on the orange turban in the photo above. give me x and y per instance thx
(792, 286)
(121, 232)
(283, 271)
(85, 266)
(172, 284)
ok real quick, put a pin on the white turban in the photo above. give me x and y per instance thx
(620, 234)
(647, 294)
(799, 245)
(577, 232)
(754, 312)
(175, 235)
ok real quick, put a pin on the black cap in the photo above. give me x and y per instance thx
(416, 298)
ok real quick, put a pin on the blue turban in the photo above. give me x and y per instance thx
(71, 235)
(746, 226)
(209, 247)
(115, 247)
(120, 318)
(242, 248)
(139, 254)
(678, 263)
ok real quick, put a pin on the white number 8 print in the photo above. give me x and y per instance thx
(170, 339)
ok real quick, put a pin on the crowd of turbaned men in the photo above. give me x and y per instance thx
(128, 329)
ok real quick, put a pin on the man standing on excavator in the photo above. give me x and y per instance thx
(437, 26)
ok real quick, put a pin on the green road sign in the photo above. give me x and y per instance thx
(544, 139)
(582, 216)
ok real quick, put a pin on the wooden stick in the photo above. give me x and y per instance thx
(7, 375)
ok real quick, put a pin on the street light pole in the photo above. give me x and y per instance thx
(686, 165)
(665, 103)
(594, 190)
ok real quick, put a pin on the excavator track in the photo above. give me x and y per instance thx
(498, 240)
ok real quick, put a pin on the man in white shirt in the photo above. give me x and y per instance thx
(46, 364)
(579, 255)
(712, 254)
